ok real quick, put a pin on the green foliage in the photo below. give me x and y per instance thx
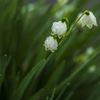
(70, 73)
(23, 85)
(3, 65)
(37, 95)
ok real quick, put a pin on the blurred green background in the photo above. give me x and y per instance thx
(28, 72)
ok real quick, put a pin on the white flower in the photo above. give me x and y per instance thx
(50, 44)
(59, 28)
(88, 20)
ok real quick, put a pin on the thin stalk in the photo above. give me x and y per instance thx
(65, 37)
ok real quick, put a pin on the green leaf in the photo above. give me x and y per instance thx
(70, 95)
(37, 95)
(25, 82)
(94, 93)
(66, 45)
(3, 65)
(75, 73)
(43, 65)
(52, 95)
(55, 76)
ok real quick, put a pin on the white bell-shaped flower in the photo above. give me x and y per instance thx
(88, 20)
(50, 44)
(59, 28)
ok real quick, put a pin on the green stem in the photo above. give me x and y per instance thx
(77, 72)
(41, 68)
(64, 19)
(65, 37)
(72, 28)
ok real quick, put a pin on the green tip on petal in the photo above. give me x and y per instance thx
(53, 50)
(60, 36)
(82, 25)
(90, 26)
(55, 36)
(47, 49)
(52, 33)
(96, 24)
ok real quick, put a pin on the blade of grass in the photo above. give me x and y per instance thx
(43, 65)
(37, 95)
(76, 72)
(3, 65)
(25, 82)
(52, 95)
(55, 76)
(70, 95)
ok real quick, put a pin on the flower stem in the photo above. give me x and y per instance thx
(64, 19)
(71, 29)
(65, 37)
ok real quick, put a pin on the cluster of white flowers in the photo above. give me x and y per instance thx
(50, 44)
(60, 28)
(88, 20)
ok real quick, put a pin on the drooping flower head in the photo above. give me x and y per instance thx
(59, 28)
(50, 44)
(88, 20)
